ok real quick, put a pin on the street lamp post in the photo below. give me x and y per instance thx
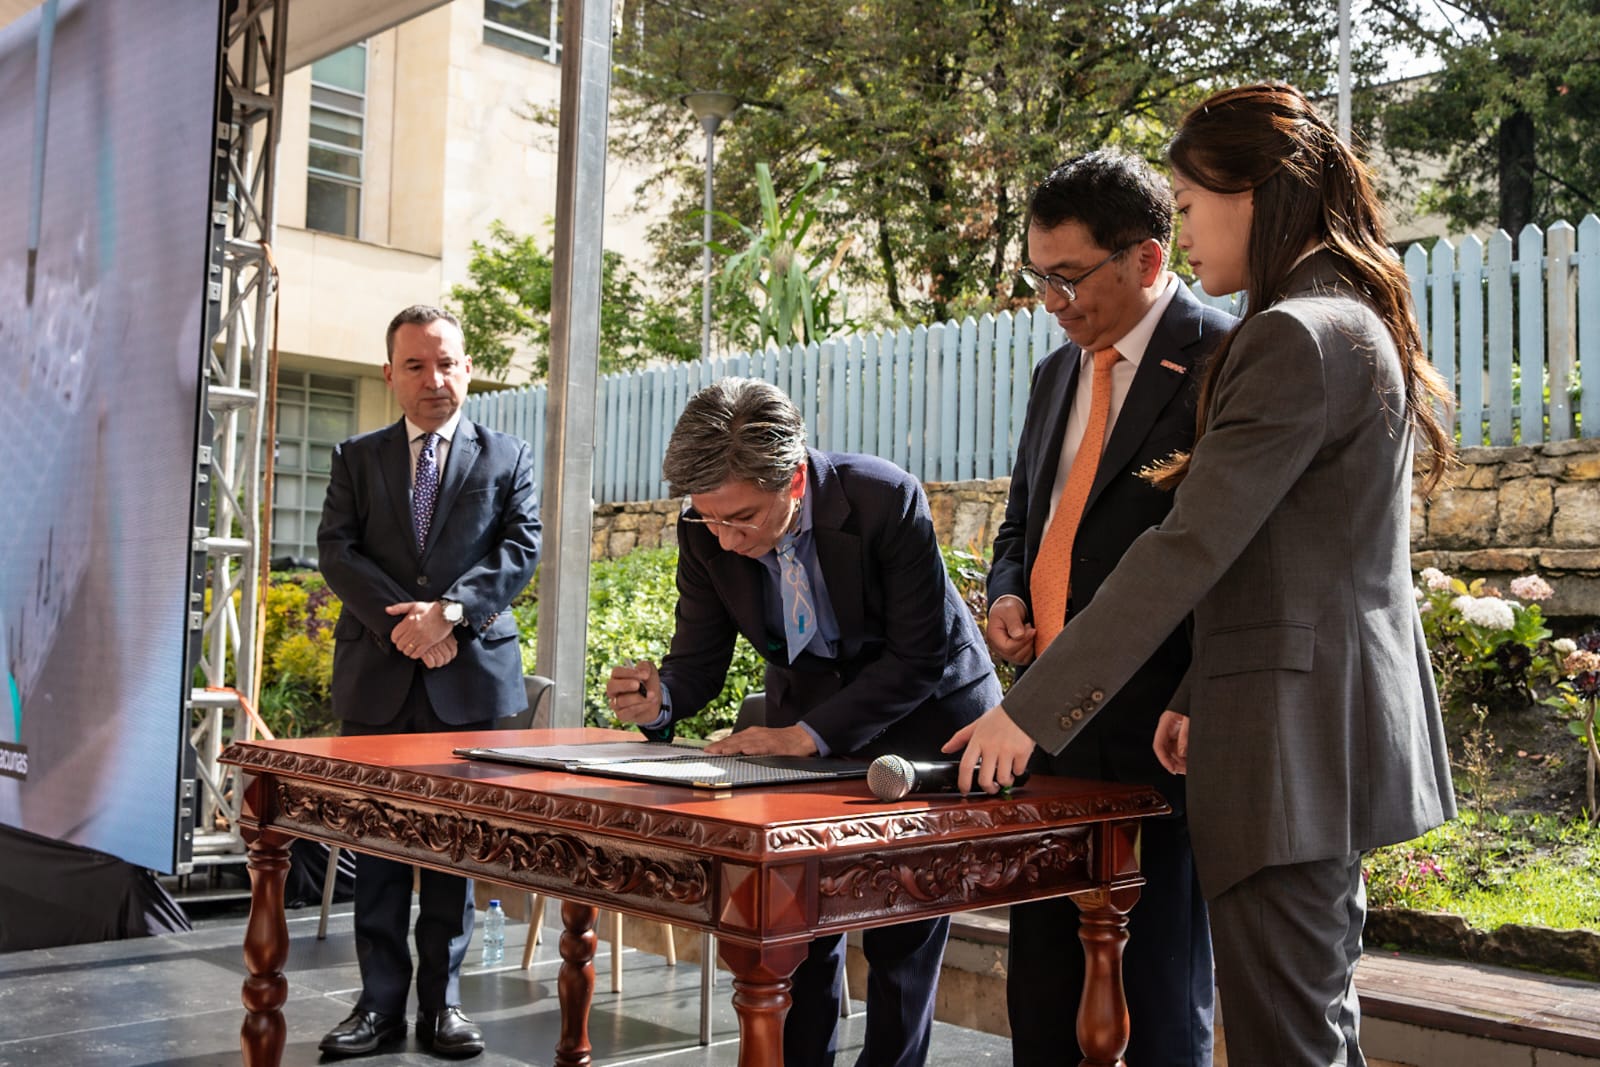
(710, 108)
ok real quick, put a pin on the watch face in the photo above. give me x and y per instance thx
(453, 612)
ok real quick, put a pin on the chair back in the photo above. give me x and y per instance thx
(752, 711)
(537, 713)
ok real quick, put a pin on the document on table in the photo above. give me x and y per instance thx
(673, 764)
(573, 757)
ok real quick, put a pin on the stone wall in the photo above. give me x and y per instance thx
(1502, 512)
(1509, 511)
(965, 514)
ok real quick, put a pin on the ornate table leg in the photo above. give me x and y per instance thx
(266, 948)
(576, 982)
(761, 980)
(1103, 1012)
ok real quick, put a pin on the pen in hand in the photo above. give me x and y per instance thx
(634, 692)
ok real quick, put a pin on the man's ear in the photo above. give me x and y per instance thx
(1152, 261)
(797, 482)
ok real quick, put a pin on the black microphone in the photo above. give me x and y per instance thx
(892, 777)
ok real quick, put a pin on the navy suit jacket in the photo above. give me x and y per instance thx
(1157, 419)
(483, 545)
(912, 667)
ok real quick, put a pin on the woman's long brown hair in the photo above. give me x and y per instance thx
(1308, 186)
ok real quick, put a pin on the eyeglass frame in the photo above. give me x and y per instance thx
(1066, 287)
(742, 527)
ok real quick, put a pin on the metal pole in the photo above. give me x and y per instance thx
(710, 122)
(574, 353)
(1344, 71)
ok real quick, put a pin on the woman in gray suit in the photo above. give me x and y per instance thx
(1308, 722)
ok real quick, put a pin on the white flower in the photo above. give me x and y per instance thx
(1489, 612)
(1531, 587)
(1566, 646)
(1434, 578)
(1417, 592)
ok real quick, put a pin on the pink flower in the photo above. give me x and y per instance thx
(1531, 587)
(1435, 579)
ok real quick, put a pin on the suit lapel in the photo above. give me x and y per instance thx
(394, 467)
(464, 449)
(1168, 361)
(838, 552)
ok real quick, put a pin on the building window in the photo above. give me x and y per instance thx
(532, 27)
(338, 125)
(315, 412)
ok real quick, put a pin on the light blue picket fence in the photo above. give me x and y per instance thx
(946, 401)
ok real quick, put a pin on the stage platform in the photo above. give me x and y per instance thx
(174, 1002)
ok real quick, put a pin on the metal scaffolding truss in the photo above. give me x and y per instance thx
(231, 542)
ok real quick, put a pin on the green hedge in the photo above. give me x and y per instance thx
(631, 602)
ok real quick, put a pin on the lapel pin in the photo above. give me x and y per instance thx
(1176, 368)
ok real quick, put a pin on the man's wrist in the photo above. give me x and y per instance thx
(453, 611)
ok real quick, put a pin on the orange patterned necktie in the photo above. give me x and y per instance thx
(1052, 569)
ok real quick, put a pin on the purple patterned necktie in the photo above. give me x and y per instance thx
(426, 490)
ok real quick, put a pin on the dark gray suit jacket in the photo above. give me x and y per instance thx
(912, 667)
(483, 545)
(1315, 728)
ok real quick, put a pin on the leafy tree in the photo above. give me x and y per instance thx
(934, 117)
(507, 304)
(1514, 112)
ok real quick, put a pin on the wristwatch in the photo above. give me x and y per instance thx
(453, 611)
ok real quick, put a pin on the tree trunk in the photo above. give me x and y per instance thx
(1517, 159)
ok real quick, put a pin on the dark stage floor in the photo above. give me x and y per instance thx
(174, 1001)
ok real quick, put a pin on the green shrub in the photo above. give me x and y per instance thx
(1486, 649)
(297, 673)
(631, 604)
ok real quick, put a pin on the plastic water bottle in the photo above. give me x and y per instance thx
(494, 935)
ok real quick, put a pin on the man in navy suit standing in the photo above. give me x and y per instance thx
(1117, 397)
(827, 564)
(429, 529)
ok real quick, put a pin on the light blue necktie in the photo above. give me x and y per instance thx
(426, 490)
(799, 615)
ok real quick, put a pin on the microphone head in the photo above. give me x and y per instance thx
(891, 777)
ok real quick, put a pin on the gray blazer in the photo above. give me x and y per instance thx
(1314, 725)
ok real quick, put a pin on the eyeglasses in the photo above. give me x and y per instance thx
(727, 525)
(1066, 287)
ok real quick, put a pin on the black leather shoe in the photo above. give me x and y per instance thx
(449, 1033)
(362, 1033)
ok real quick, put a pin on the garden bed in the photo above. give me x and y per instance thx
(1514, 880)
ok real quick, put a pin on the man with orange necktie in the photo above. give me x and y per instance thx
(1117, 397)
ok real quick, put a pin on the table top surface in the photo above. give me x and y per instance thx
(422, 767)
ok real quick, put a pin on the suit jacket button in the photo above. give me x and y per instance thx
(1098, 695)
(1066, 723)
(422, 580)
(1077, 714)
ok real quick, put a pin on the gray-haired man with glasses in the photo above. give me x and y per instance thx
(828, 565)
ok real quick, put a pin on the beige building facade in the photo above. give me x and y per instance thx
(396, 154)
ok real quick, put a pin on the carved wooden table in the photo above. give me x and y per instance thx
(765, 870)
